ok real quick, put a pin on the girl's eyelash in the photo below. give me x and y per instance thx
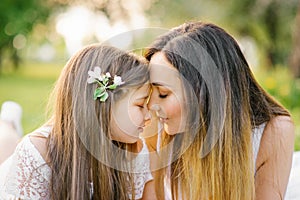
(140, 105)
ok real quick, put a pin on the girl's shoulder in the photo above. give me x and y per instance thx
(38, 139)
(33, 146)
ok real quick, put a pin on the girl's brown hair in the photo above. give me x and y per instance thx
(79, 148)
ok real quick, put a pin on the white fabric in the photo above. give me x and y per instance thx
(256, 138)
(11, 112)
(26, 175)
(293, 191)
(141, 165)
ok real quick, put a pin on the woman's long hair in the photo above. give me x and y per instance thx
(79, 148)
(224, 103)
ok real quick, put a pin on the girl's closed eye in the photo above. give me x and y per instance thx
(141, 103)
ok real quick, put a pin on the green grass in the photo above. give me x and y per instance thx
(30, 86)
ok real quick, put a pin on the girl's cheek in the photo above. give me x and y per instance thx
(136, 116)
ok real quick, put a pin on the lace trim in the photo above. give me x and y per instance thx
(29, 174)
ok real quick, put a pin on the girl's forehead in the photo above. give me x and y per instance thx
(143, 90)
(138, 93)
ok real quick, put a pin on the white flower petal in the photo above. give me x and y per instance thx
(91, 80)
(118, 80)
(101, 77)
(108, 74)
(97, 70)
(91, 73)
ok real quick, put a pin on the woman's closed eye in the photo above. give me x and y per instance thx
(162, 96)
(163, 92)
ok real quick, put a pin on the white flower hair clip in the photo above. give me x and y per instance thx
(104, 82)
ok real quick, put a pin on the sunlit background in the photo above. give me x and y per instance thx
(38, 36)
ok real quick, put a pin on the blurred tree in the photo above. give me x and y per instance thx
(175, 12)
(17, 19)
(295, 55)
(114, 9)
(268, 22)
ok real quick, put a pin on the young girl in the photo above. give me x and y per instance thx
(229, 138)
(83, 151)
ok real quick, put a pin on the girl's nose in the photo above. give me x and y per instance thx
(147, 115)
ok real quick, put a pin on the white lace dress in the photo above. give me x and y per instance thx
(26, 175)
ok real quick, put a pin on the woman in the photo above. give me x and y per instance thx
(83, 151)
(229, 139)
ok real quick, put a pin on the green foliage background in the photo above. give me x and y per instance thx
(30, 86)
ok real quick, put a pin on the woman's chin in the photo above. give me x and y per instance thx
(169, 130)
(173, 129)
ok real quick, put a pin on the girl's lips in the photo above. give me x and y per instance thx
(147, 123)
(141, 129)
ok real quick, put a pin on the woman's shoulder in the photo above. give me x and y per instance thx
(278, 129)
(278, 136)
(281, 121)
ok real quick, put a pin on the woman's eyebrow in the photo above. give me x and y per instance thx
(158, 84)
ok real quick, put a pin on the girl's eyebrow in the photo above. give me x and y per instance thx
(143, 97)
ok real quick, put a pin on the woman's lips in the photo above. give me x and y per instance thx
(163, 120)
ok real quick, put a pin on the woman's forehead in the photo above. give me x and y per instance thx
(162, 72)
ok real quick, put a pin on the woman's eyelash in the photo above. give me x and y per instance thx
(163, 96)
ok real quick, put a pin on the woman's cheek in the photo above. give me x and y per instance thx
(173, 108)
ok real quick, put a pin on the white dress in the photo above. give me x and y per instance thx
(26, 175)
